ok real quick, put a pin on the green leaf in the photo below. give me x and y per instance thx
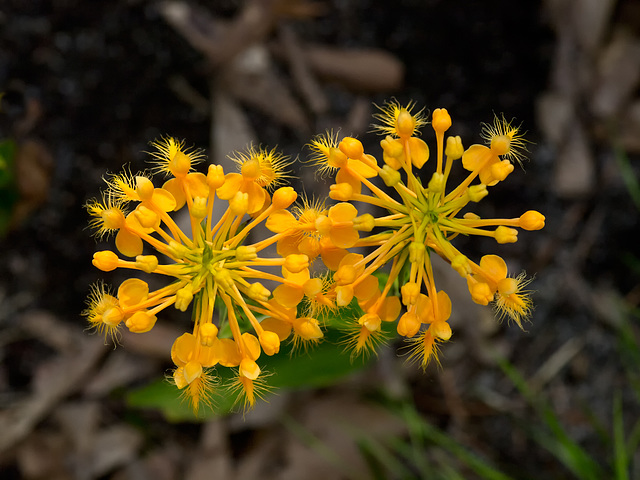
(322, 365)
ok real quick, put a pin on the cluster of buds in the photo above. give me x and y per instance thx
(246, 302)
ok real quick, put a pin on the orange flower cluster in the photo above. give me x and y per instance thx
(245, 302)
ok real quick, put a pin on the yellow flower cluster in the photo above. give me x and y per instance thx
(419, 221)
(246, 302)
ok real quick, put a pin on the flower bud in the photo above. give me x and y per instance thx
(208, 333)
(440, 120)
(454, 149)
(364, 223)
(215, 177)
(259, 292)
(239, 204)
(341, 192)
(295, 263)
(410, 292)
(351, 147)
(477, 192)
(530, 220)
(270, 342)
(408, 325)
(199, 208)
(105, 260)
(283, 197)
(506, 235)
(246, 253)
(141, 322)
(146, 263)
(184, 296)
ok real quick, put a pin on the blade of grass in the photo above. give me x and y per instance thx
(570, 454)
(434, 435)
(627, 174)
(381, 459)
(324, 450)
(621, 457)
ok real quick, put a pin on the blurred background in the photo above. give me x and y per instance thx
(87, 85)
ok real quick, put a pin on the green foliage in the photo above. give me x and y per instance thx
(289, 372)
(8, 189)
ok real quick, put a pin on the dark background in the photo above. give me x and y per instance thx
(88, 84)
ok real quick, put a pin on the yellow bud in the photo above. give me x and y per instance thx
(341, 192)
(239, 204)
(480, 292)
(436, 184)
(408, 325)
(208, 333)
(147, 217)
(146, 263)
(416, 252)
(223, 278)
(477, 192)
(215, 177)
(364, 223)
(471, 216)
(105, 260)
(460, 264)
(393, 162)
(410, 292)
(405, 123)
(184, 296)
(501, 170)
(177, 250)
(440, 120)
(454, 149)
(144, 188)
(530, 220)
(392, 147)
(270, 342)
(180, 164)
(259, 292)
(389, 176)
(506, 235)
(246, 253)
(351, 147)
(295, 263)
(140, 322)
(199, 208)
(283, 198)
